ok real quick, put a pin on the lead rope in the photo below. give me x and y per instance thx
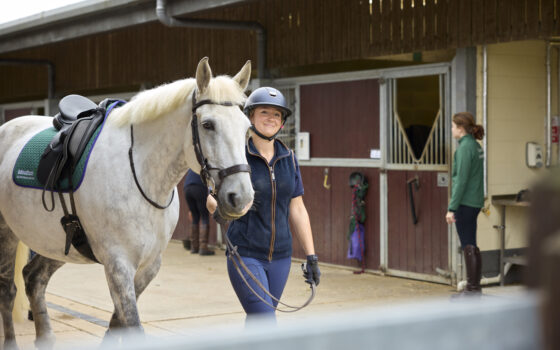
(206, 179)
(233, 255)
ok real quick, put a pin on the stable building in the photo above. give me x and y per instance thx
(373, 85)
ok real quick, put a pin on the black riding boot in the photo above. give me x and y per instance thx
(474, 269)
(187, 243)
(473, 263)
(204, 231)
(194, 238)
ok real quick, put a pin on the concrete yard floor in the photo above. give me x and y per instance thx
(192, 293)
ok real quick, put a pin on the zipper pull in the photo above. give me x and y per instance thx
(272, 173)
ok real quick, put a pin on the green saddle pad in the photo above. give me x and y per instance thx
(25, 170)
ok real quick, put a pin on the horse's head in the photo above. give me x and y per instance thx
(222, 127)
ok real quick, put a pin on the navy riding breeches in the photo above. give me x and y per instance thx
(465, 221)
(271, 274)
(196, 200)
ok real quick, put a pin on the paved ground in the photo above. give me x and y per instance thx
(192, 293)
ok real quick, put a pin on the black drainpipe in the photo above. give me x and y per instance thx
(50, 72)
(161, 11)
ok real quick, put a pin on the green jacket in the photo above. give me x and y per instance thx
(467, 186)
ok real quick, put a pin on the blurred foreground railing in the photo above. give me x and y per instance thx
(491, 323)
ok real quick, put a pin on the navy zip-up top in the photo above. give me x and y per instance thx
(264, 232)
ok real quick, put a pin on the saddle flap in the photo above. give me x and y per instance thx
(81, 132)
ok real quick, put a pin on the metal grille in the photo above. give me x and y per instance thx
(288, 133)
(400, 149)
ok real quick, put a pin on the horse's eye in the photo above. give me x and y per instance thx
(208, 125)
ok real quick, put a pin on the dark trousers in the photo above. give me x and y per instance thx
(196, 200)
(271, 274)
(465, 221)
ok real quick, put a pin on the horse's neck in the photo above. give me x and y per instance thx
(159, 154)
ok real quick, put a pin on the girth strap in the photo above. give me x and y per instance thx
(75, 233)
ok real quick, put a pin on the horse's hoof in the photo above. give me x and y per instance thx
(10, 344)
(45, 342)
(111, 338)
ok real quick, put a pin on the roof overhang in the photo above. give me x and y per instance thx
(91, 17)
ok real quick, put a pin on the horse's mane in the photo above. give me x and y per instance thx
(151, 104)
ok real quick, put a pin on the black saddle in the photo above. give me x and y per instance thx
(71, 107)
(78, 119)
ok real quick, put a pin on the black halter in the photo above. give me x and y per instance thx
(204, 166)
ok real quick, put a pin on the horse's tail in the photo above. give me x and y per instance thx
(21, 305)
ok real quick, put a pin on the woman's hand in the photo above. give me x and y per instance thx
(211, 204)
(311, 271)
(450, 217)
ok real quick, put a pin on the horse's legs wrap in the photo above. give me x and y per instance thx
(8, 250)
(37, 275)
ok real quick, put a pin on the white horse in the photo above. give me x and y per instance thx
(127, 234)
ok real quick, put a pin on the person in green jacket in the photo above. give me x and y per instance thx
(467, 194)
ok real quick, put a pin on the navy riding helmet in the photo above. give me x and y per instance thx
(267, 96)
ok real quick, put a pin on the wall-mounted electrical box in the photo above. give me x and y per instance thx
(533, 154)
(302, 145)
(442, 179)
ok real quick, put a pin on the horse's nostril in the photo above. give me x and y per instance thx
(232, 198)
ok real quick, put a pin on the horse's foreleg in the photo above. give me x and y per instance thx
(142, 278)
(120, 278)
(145, 275)
(8, 248)
(37, 275)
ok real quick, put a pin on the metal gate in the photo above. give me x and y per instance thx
(415, 239)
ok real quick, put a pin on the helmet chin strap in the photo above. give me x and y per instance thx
(259, 134)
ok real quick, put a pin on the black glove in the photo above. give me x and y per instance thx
(311, 271)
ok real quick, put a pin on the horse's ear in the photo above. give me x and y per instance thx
(203, 75)
(242, 78)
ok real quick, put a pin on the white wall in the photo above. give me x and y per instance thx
(516, 115)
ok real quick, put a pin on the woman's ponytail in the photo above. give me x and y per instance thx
(466, 121)
(478, 132)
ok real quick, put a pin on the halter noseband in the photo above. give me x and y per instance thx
(204, 166)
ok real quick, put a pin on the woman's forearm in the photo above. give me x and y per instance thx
(299, 218)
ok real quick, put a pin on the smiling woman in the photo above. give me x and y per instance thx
(262, 237)
(267, 120)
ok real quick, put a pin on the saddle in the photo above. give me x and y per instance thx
(77, 121)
